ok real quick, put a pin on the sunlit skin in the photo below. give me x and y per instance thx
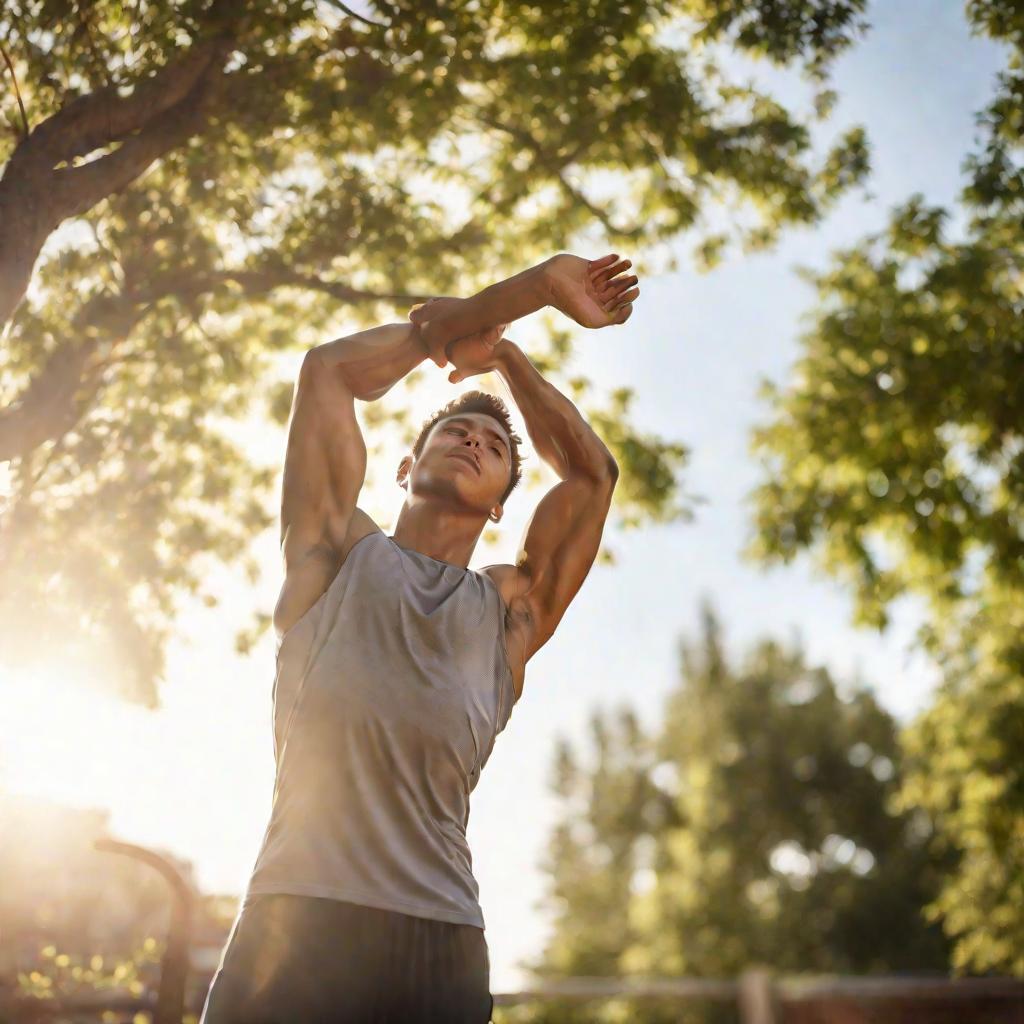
(594, 293)
(453, 489)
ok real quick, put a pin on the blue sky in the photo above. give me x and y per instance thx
(694, 352)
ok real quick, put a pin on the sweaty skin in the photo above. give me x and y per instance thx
(453, 489)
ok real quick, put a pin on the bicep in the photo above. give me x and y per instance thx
(559, 546)
(325, 463)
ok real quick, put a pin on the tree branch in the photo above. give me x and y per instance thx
(354, 14)
(596, 211)
(35, 198)
(77, 189)
(62, 391)
(17, 93)
(261, 281)
(555, 166)
(102, 117)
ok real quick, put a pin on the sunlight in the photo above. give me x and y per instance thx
(63, 739)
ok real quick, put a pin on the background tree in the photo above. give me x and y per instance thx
(190, 189)
(896, 456)
(756, 825)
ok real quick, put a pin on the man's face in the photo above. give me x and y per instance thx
(472, 453)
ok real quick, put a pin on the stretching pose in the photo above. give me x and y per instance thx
(398, 666)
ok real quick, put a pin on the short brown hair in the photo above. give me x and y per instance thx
(489, 405)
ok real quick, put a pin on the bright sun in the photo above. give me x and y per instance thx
(62, 739)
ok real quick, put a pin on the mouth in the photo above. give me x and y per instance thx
(466, 458)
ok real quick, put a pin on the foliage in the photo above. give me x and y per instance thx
(64, 976)
(756, 825)
(896, 456)
(227, 177)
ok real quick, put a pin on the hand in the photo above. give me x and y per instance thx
(593, 292)
(421, 314)
(475, 353)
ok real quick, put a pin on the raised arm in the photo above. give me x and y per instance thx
(563, 536)
(594, 293)
(325, 464)
(325, 459)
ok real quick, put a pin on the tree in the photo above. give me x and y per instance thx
(895, 454)
(756, 825)
(226, 176)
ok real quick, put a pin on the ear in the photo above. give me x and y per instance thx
(404, 469)
(496, 513)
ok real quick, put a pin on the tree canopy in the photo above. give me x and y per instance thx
(191, 188)
(756, 823)
(896, 456)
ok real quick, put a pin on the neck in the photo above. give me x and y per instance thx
(445, 537)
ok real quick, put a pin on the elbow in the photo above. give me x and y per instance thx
(315, 367)
(606, 474)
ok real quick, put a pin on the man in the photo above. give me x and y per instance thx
(398, 666)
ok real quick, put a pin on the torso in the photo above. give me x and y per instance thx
(305, 583)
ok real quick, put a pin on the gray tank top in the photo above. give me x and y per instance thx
(389, 694)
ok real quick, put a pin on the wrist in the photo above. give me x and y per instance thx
(505, 353)
(418, 344)
(515, 297)
(545, 277)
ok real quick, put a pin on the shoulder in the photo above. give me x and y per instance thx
(506, 579)
(310, 572)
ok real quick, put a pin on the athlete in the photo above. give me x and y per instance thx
(398, 666)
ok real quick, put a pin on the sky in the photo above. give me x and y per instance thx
(694, 351)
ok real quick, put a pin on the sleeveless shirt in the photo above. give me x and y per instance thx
(388, 696)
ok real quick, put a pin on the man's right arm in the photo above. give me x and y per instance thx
(324, 466)
(369, 363)
(325, 460)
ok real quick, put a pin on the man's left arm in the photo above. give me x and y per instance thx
(563, 535)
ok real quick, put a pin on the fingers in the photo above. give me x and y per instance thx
(600, 278)
(434, 341)
(595, 265)
(622, 300)
(437, 352)
(614, 293)
(624, 313)
(419, 311)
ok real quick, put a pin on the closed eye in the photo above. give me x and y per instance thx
(455, 430)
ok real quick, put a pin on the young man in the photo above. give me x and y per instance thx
(398, 666)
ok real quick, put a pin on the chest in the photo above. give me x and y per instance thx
(412, 653)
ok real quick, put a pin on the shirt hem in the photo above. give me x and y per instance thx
(366, 899)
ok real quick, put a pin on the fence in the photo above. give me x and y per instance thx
(758, 996)
(763, 998)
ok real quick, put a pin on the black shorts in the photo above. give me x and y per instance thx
(308, 960)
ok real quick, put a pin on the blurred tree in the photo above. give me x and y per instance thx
(757, 825)
(224, 176)
(896, 456)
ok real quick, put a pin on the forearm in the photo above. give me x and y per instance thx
(501, 303)
(371, 362)
(559, 433)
